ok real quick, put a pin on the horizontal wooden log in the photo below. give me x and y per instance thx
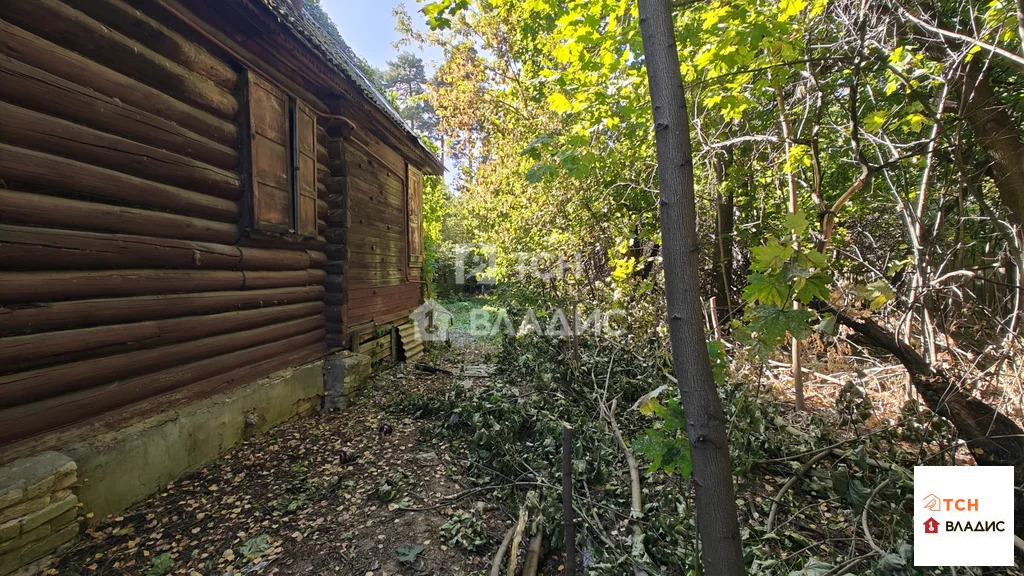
(29, 248)
(38, 169)
(258, 279)
(271, 259)
(278, 356)
(32, 88)
(74, 30)
(35, 385)
(45, 55)
(317, 259)
(264, 239)
(44, 133)
(138, 26)
(21, 353)
(54, 212)
(21, 287)
(31, 419)
(83, 313)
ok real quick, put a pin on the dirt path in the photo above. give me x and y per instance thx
(326, 494)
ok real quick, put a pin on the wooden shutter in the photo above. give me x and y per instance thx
(305, 137)
(269, 130)
(415, 203)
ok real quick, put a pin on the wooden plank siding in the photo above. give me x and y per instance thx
(134, 272)
(368, 236)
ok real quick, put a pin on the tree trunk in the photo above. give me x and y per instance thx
(989, 118)
(721, 550)
(722, 262)
(998, 135)
(992, 438)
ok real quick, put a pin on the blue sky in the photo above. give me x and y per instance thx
(369, 28)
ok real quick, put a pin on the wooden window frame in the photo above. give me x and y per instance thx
(263, 174)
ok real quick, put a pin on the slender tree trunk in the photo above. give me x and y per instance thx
(721, 550)
(568, 527)
(796, 366)
(724, 232)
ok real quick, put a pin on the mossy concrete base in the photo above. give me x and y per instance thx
(345, 374)
(118, 468)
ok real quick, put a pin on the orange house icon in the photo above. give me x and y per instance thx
(931, 526)
(931, 502)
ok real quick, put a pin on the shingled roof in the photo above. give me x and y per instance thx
(320, 41)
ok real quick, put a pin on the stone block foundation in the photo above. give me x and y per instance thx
(38, 511)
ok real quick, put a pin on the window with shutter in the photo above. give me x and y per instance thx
(415, 203)
(283, 160)
(305, 180)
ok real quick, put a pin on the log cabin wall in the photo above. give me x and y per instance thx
(126, 275)
(370, 283)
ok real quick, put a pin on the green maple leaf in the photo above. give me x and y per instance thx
(796, 222)
(766, 289)
(875, 120)
(814, 286)
(771, 256)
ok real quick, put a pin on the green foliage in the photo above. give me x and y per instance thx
(392, 486)
(665, 444)
(782, 271)
(465, 529)
(160, 565)
(254, 546)
(407, 554)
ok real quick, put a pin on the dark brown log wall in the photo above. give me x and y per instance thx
(124, 273)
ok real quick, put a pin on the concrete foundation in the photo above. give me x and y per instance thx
(118, 468)
(345, 374)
